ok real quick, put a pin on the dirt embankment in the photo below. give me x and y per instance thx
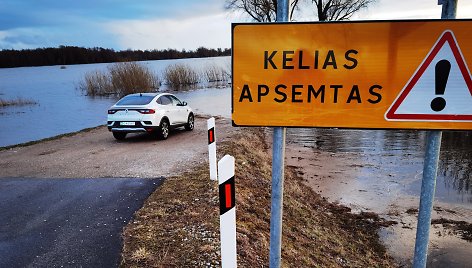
(178, 225)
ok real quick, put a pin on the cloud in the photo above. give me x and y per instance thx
(45, 23)
(210, 30)
(151, 24)
(92, 35)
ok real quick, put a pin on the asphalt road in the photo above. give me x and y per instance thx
(67, 222)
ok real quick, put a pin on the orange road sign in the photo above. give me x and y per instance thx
(379, 74)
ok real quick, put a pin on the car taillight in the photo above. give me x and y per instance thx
(147, 111)
(112, 111)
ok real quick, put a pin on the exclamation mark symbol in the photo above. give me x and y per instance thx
(443, 67)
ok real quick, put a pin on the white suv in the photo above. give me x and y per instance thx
(154, 113)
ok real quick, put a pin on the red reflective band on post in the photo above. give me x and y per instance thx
(228, 195)
(211, 135)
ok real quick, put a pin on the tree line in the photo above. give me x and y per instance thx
(66, 55)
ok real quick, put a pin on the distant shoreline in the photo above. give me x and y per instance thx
(71, 55)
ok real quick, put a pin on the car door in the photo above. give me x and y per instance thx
(181, 111)
(167, 105)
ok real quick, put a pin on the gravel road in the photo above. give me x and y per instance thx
(96, 154)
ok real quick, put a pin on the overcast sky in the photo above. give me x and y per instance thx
(156, 24)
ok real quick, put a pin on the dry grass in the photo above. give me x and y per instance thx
(16, 102)
(215, 73)
(132, 77)
(122, 78)
(462, 228)
(97, 83)
(180, 75)
(179, 224)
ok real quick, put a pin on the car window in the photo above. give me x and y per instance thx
(164, 100)
(175, 100)
(135, 100)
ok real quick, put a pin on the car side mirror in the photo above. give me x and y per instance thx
(184, 103)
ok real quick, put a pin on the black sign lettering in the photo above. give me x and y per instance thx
(268, 59)
(300, 61)
(286, 59)
(280, 93)
(374, 93)
(245, 94)
(335, 96)
(354, 95)
(261, 93)
(330, 60)
(296, 93)
(351, 59)
(320, 91)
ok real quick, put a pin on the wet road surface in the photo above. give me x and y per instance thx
(67, 222)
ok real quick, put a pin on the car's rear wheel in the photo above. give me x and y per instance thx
(119, 135)
(163, 131)
(190, 122)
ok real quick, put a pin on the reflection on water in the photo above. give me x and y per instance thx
(400, 153)
(456, 163)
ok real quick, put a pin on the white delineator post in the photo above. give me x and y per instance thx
(227, 195)
(212, 148)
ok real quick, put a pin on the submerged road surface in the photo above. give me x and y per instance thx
(67, 222)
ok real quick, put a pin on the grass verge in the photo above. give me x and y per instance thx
(179, 224)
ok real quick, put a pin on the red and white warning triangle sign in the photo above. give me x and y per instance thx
(440, 89)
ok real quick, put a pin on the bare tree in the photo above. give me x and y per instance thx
(330, 10)
(258, 10)
(327, 10)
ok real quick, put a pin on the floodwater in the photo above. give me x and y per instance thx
(399, 153)
(62, 108)
(381, 171)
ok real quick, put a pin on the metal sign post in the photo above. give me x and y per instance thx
(278, 157)
(428, 185)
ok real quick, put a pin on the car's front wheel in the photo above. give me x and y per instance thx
(119, 135)
(163, 131)
(190, 122)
